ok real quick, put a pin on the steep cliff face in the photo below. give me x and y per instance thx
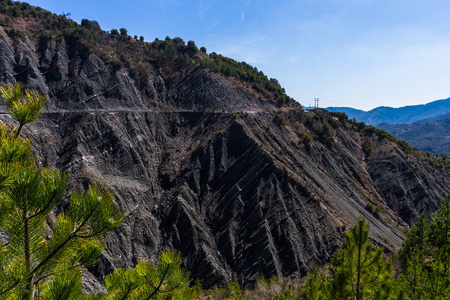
(77, 80)
(203, 164)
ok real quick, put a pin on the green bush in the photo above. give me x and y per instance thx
(78, 33)
(86, 23)
(367, 147)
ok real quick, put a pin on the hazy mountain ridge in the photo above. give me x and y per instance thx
(401, 115)
(430, 120)
(423, 126)
(241, 180)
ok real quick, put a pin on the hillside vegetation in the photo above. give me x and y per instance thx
(432, 136)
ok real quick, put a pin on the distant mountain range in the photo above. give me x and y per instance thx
(402, 115)
(426, 127)
(431, 136)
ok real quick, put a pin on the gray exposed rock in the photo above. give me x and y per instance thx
(236, 194)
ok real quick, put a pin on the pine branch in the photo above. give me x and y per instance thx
(43, 277)
(29, 278)
(374, 279)
(19, 129)
(149, 282)
(49, 204)
(69, 238)
(10, 288)
(126, 294)
(93, 234)
(156, 289)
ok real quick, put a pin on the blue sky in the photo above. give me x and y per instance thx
(357, 53)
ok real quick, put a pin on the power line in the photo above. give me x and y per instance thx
(349, 103)
(343, 103)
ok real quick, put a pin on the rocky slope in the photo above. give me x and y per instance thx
(205, 164)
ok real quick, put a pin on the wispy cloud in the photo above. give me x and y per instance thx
(243, 10)
(203, 8)
(251, 49)
(163, 3)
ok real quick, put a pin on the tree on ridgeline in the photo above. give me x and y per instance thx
(123, 32)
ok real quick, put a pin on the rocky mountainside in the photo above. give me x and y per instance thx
(402, 115)
(212, 162)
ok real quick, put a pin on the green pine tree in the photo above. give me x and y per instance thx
(314, 287)
(439, 232)
(416, 243)
(166, 280)
(425, 256)
(412, 255)
(357, 271)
